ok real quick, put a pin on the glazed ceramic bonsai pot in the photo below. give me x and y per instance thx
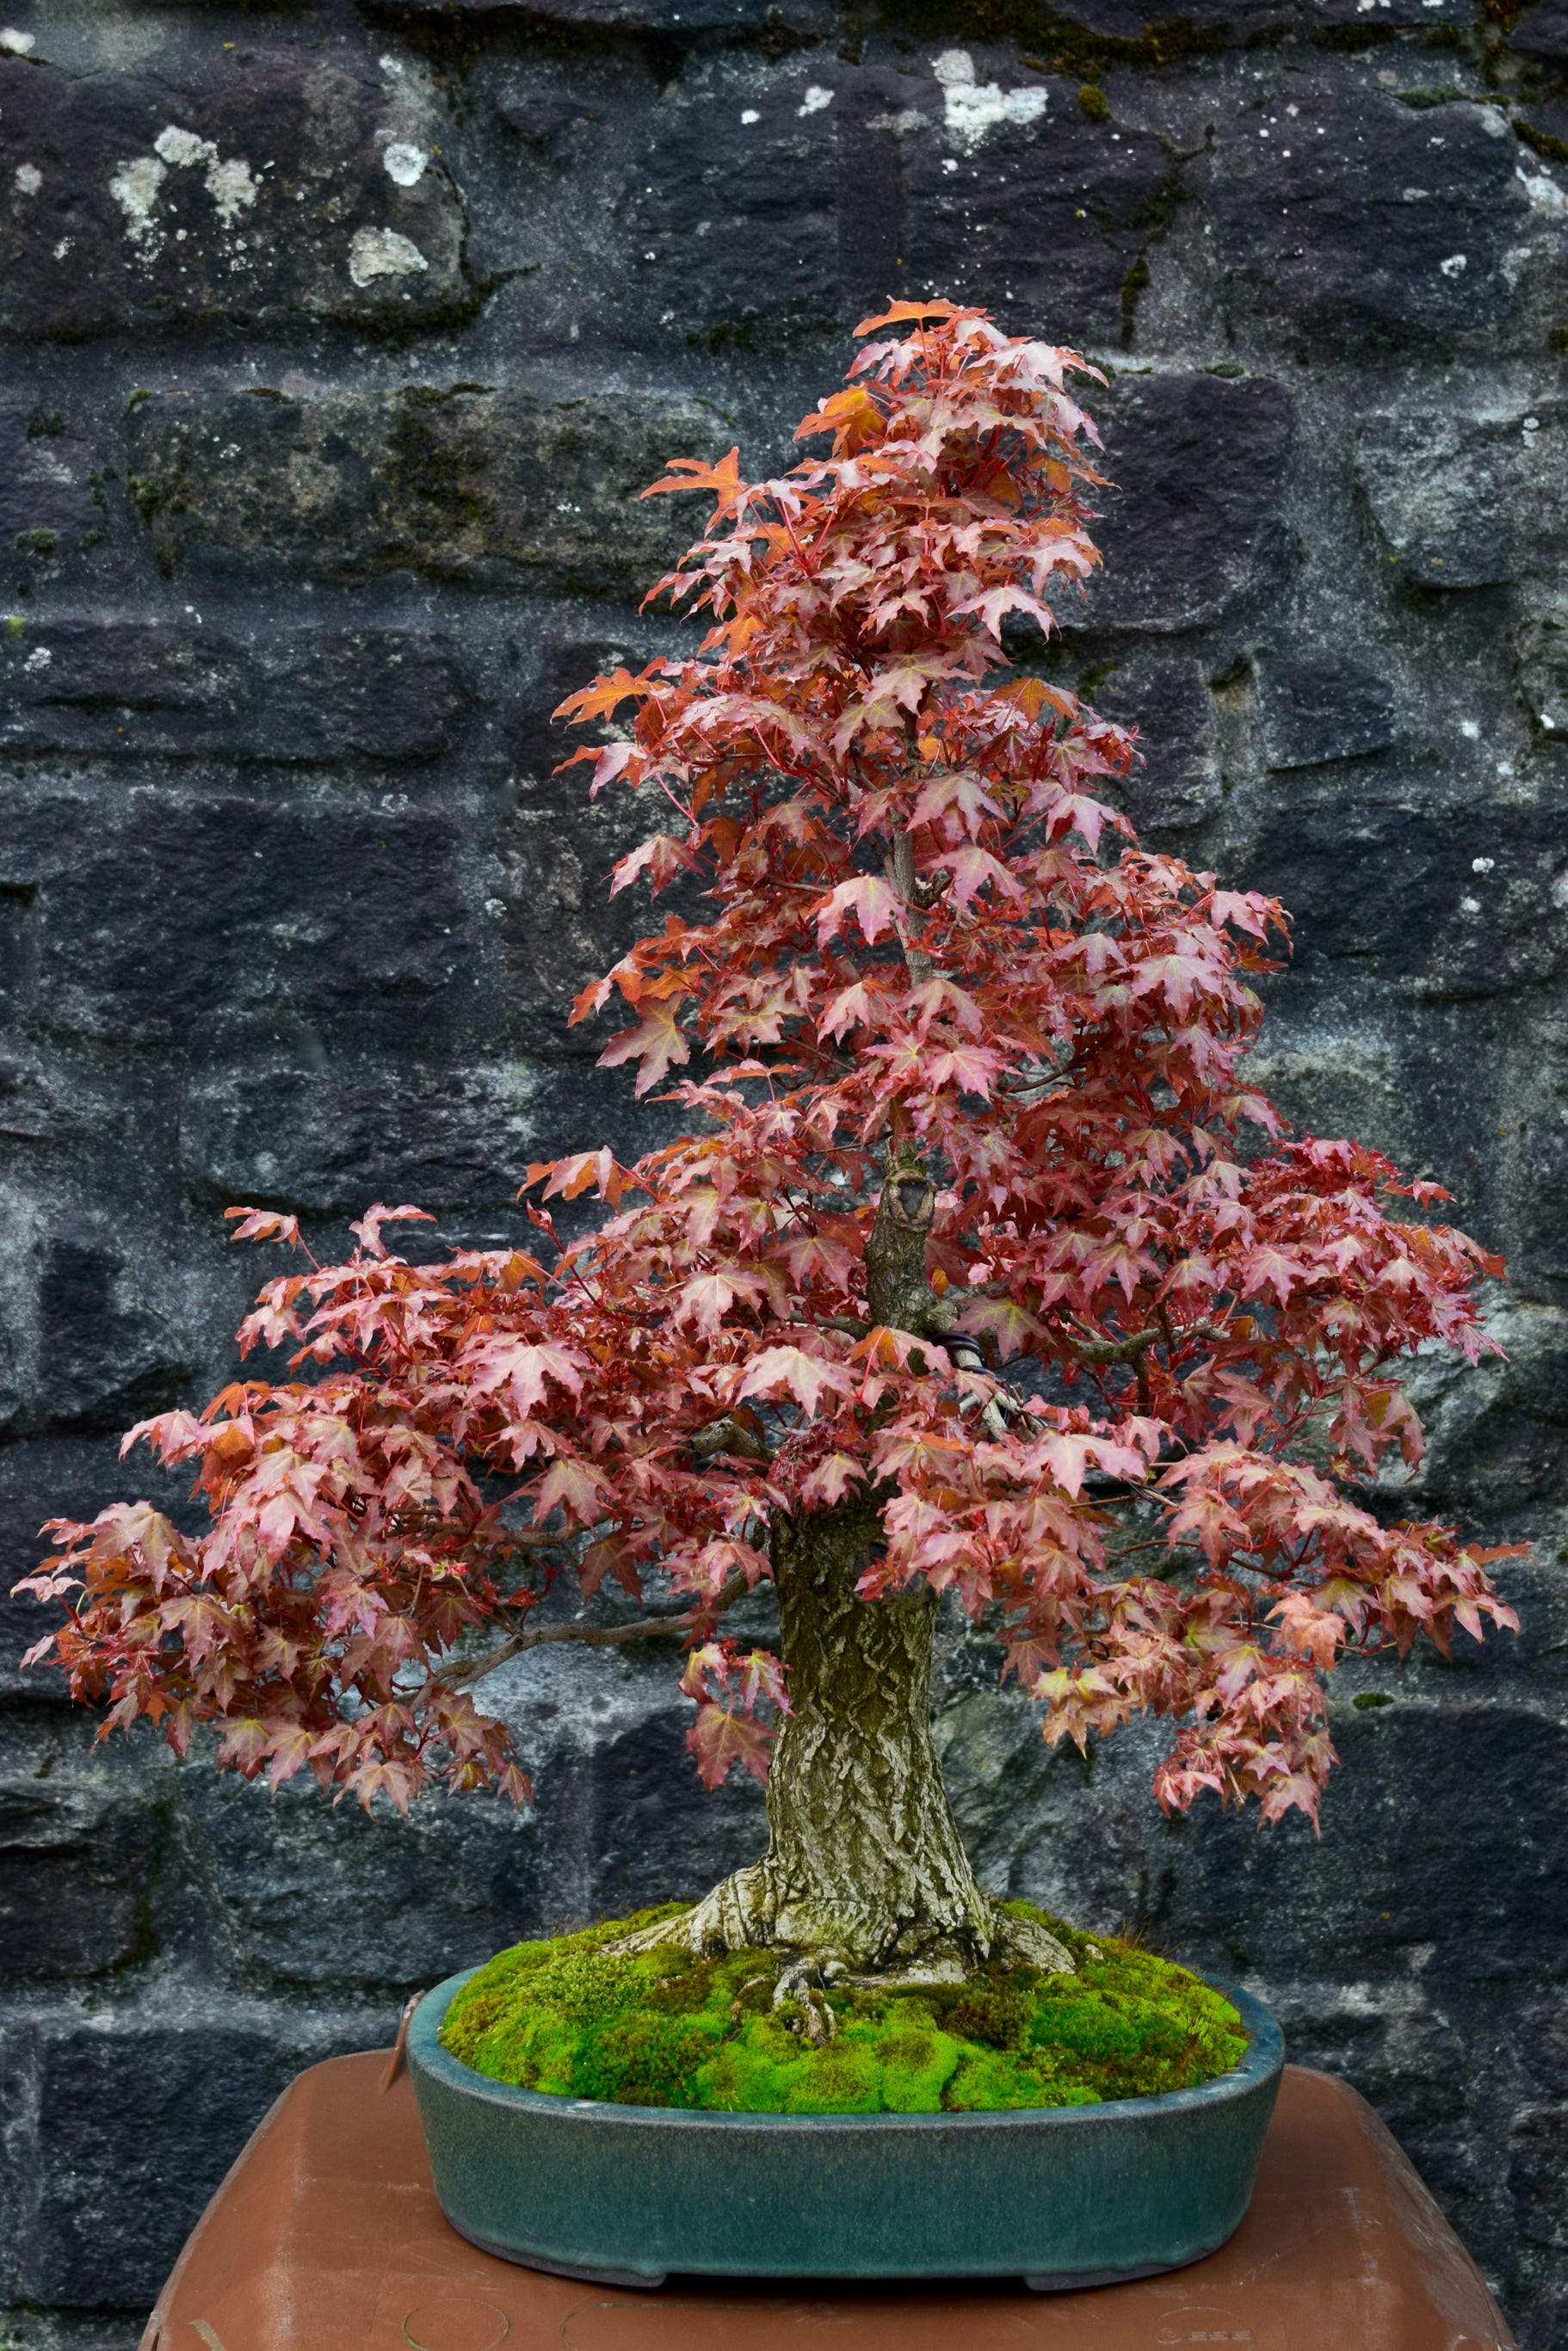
(1060, 2196)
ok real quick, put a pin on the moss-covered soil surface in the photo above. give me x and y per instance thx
(662, 2029)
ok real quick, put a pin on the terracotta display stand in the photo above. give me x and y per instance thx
(326, 2236)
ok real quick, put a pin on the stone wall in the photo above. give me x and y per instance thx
(336, 342)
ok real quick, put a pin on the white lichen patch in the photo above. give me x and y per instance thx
(1456, 265)
(972, 107)
(176, 145)
(134, 188)
(1543, 192)
(17, 45)
(383, 253)
(816, 98)
(30, 179)
(232, 188)
(404, 162)
(230, 182)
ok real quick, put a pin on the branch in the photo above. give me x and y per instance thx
(1130, 1349)
(663, 1625)
(728, 1435)
(1112, 1351)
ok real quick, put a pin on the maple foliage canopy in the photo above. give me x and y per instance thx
(934, 954)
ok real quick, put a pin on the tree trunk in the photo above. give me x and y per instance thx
(864, 1855)
(865, 1870)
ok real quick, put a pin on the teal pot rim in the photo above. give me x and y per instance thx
(1264, 2060)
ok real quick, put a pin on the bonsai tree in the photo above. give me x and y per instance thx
(980, 1271)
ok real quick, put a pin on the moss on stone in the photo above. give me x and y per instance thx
(664, 2029)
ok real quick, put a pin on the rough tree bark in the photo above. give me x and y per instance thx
(865, 1873)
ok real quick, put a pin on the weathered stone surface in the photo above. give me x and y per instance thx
(126, 201)
(1344, 214)
(182, 920)
(329, 1141)
(74, 1861)
(1332, 1079)
(1499, 1440)
(1462, 498)
(44, 2330)
(1013, 192)
(107, 1355)
(158, 687)
(1462, 902)
(494, 486)
(558, 924)
(728, 204)
(1315, 706)
(52, 500)
(1176, 783)
(1542, 31)
(676, 20)
(1542, 651)
(1194, 524)
(619, 1823)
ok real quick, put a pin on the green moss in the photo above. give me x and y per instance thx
(663, 2029)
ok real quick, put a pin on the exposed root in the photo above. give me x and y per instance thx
(734, 1917)
(743, 1913)
(798, 1997)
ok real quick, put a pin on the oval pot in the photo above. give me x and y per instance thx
(1061, 2196)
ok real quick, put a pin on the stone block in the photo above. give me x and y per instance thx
(1388, 1875)
(1337, 21)
(499, 488)
(728, 204)
(1143, 25)
(1538, 2158)
(1332, 1079)
(1350, 220)
(107, 1355)
(1497, 1437)
(329, 1141)
(184, 691)
(1540, 648)
(624, 1821)
(1468, 498)
(127, 199)
(1443, 902)
(52, 504)
(1536, 1184)
(217, 918)
(1542, 31)
(1177, 781)
(67, 2330)
(1014, 198)
(1194, 524)
(315, 1895)
(1314, 708)
(75, 1854)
